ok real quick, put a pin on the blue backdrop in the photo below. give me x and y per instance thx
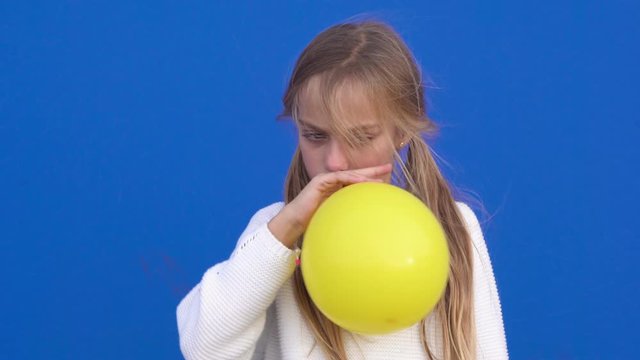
(137, 139)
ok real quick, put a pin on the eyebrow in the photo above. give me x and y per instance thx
(356, 128)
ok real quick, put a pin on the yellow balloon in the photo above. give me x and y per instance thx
(374, 258)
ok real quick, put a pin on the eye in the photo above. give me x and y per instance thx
(361, 139)
(314, 136)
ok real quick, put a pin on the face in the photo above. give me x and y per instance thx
(323, 150)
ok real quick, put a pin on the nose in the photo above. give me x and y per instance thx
(335, 157)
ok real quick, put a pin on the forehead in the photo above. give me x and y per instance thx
(349, 104)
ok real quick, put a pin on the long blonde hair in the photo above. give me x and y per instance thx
(371, 54)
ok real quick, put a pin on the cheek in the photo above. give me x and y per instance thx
(311, 160)
(377, 155)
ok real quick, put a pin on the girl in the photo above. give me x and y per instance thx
(357, 98)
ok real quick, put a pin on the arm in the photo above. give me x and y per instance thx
(491, 339)
(224, 315)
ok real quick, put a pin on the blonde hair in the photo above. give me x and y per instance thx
(371, 54)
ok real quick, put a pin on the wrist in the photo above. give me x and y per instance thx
(286, 228)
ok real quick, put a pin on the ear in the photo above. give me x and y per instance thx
(400, 139)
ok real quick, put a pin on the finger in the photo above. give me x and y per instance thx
(373, 171)
(352, 178)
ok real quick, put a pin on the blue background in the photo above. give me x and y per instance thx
(138, 138)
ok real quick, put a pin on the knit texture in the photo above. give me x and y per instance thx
(245, 308)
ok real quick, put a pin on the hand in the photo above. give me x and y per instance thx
(294, 218)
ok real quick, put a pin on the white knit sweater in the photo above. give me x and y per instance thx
(245, 308)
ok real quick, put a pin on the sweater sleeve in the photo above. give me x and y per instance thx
(224, 315)
(491, 339)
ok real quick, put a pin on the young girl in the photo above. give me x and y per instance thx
(357, 98)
